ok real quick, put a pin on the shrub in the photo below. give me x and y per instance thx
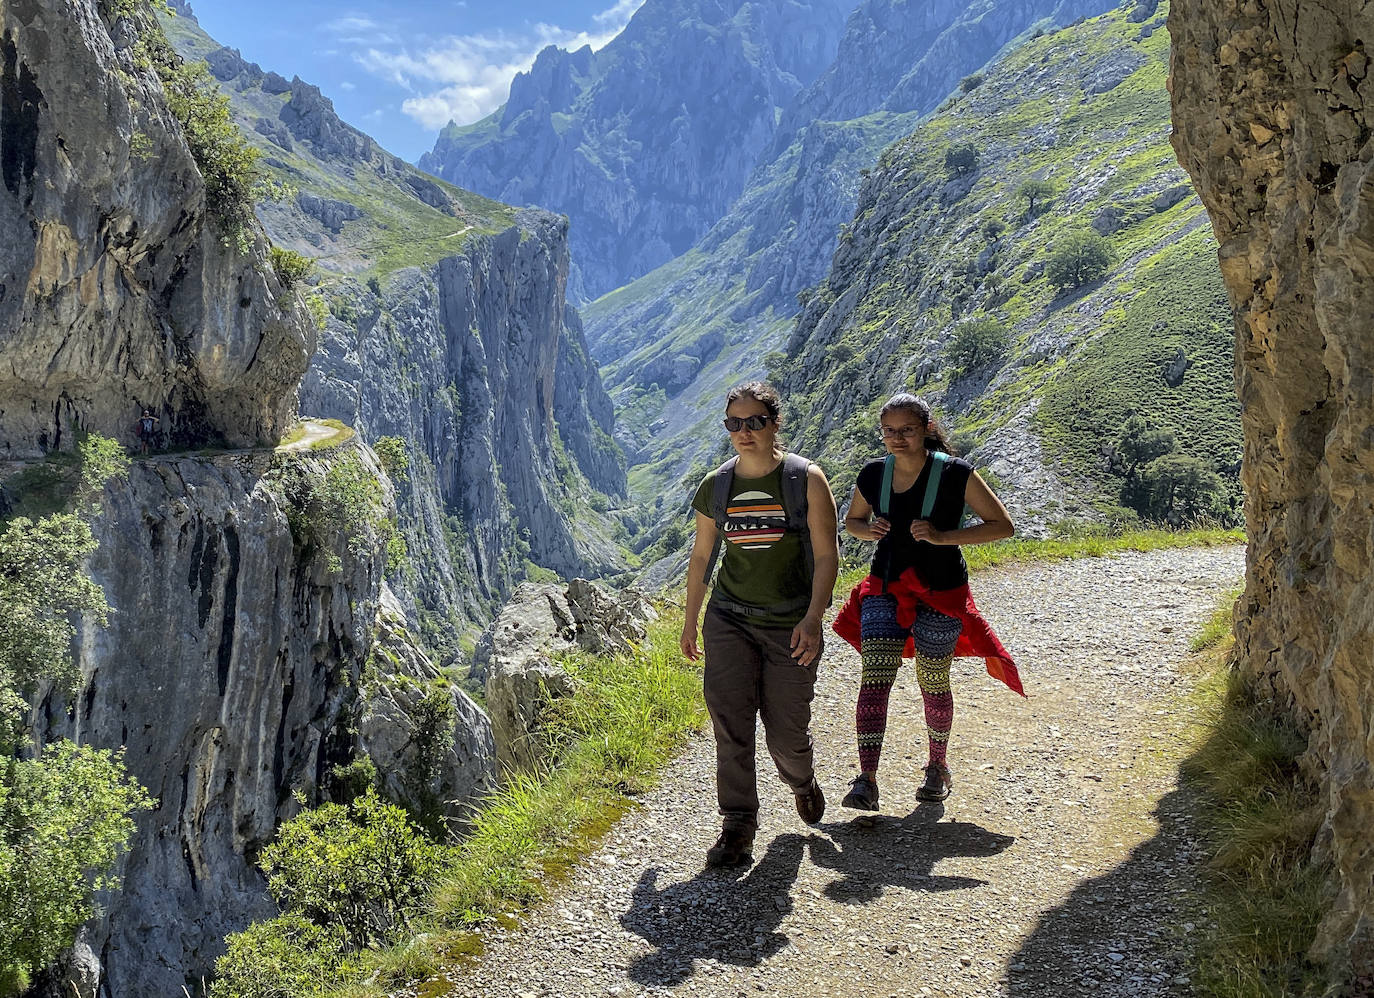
(64, 819)
(319, 310)
(976, 343)
(1037, 195)
(971, 83)
(993, 229)
(291, 267)
(1140, 442)
(391, 451)
(1180, 488)
(961, 160)
(361, 866)
(288, 957)
(1079, 258)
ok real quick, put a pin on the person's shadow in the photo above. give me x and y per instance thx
(717, 915)
(900, 852)
(722, 916)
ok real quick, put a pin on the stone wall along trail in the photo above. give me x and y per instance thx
(1056, 868)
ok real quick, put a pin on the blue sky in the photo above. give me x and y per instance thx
(400, 70)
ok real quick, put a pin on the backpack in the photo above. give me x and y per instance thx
(937, 471)
(794, 472)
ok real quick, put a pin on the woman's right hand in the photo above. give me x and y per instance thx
(880, 527)
(688, 642)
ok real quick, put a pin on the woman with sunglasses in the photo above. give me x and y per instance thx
(774, 515)
(916, 603)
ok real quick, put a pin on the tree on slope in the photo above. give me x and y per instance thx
(1078, 259)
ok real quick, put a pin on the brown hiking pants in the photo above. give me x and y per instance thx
(750, 673)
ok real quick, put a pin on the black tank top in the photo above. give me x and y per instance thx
(938, 566)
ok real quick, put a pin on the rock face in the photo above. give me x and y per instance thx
(1273, 113)
(431, 744)
(228, 672)
(448, 328)
(117, 290)
(646, 142)
(516, 656)
(480, 367)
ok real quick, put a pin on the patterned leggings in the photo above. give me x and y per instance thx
(883, 639)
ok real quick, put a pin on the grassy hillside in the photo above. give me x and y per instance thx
(943, 284)
(395, 226)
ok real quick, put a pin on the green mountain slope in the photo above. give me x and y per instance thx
(931, 251)
(672, 340)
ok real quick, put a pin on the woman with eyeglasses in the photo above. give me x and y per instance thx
(916, 603)
(774, 515)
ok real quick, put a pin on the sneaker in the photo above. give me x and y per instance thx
(863, 794)
(937, 785)
(734, 846)
(811, 803)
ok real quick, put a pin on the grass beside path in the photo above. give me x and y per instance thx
(1263, 894)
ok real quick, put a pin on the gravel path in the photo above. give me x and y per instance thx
(1055, 869)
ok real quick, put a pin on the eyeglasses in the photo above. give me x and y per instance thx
(734, 424)
(906, 432)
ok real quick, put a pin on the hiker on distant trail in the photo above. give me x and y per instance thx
(775, 517)
(146, 428)
(916, 601)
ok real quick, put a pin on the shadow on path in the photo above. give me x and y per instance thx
(900, 852)
(720, 915)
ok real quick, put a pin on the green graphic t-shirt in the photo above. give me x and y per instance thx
(762, 565)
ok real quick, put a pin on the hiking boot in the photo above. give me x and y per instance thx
(734, 846)
(811, 803)
(937, 785)
(863, 794)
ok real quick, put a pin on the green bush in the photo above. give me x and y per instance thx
(993, 229)
(1180, 488)
(391, 452)
(64, 819)
(977, 343)
(1141, 442)
(1037, 195)
(291, 267)
(1078, 259)
(971, 83)
(961, 160)
(288, 957)
(361, 866)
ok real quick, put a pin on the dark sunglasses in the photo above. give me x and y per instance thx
(734, 424)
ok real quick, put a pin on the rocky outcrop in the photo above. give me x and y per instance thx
(646, 143)
(475, 364)
(118, 291)
(229, 673)
(431, 744)
(1273, 111)
(517, 656)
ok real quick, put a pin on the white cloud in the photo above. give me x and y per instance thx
(346, 85)
(465, 78)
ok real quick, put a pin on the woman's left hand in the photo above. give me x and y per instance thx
(921, 530)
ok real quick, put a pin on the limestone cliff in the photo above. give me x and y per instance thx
(1273, 117)
(448, 327)
(117, 291)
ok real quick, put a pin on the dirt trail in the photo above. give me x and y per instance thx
(1056, 868)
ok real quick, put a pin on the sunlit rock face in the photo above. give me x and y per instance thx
(118, 291)
(1273, 117)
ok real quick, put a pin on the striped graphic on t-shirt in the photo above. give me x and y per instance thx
(755, 520)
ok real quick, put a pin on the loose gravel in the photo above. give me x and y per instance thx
(1059, 867)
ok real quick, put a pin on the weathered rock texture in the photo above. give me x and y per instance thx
(1273, 110)
(117, 290)
(478, 364)
(517, 656)
(229, 672)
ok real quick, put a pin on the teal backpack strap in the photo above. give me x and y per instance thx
(885, 496)
(720, 501)
(937, 470)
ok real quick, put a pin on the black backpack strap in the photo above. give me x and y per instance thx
(720, 502)
(795, 470)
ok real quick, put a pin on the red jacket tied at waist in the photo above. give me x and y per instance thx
(976, 640)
